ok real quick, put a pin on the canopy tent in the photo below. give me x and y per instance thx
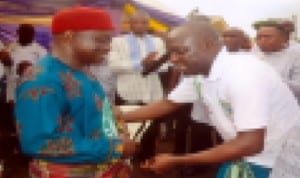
(39, 13)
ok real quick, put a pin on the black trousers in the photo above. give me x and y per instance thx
(10, 151)
(148, 140)
(7, 128)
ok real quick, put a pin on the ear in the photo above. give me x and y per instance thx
(208, 44)
(68, 36)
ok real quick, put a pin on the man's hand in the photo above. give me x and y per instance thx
(150, 60)
(129, 148)
(152, 56)
(162, 163)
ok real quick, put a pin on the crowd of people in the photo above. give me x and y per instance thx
(226, 98)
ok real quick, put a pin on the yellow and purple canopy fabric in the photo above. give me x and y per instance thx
(39, 13)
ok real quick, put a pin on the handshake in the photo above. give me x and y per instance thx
(159, 164)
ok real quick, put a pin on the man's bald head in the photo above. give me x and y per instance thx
(233, 39)
(233, 30)
(197, 32)
(139, 22)
(204, 32)
(139, 14)
(196, 44)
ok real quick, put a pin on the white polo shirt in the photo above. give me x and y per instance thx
(244, 93)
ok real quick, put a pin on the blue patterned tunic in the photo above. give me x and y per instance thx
(60, 116)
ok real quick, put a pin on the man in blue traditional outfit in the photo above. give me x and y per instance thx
(64, 119)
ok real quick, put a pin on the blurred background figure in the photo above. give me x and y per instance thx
(276, 48)
(128, 54)
(131, 59)
(235, 40)
(23, 49)
(16, 57)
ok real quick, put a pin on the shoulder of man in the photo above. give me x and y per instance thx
(248, 64)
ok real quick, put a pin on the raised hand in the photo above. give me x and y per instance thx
(152, 56)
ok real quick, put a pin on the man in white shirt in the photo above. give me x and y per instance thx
(129, 57)
(236, 40)
(128, 54)
(276, 49)
(249, 104)
(287, 164)
(24, 49)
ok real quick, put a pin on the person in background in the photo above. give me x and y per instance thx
(275, 48)
(246, 43)
(235, 40)
(3, 107)
(26, 48)
(64, 120)
(23, 49)
(8, 138)
(288, 162)
(133, 58)
(253, 131)
(128, 54)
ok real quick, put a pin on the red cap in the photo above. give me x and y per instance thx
(81, 18)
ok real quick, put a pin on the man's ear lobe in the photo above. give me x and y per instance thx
(208, 44)
(68, 35)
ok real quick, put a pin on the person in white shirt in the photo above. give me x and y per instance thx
(275, 48)
(128, 54)
(24, 49)
(287, 164)
(249, 104)
(130, 58)
(235, 40)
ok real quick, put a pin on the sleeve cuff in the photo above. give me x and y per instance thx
(117, 150)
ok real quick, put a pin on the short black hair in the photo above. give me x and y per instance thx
(26, 34)
(285, 26)
(26, 29)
